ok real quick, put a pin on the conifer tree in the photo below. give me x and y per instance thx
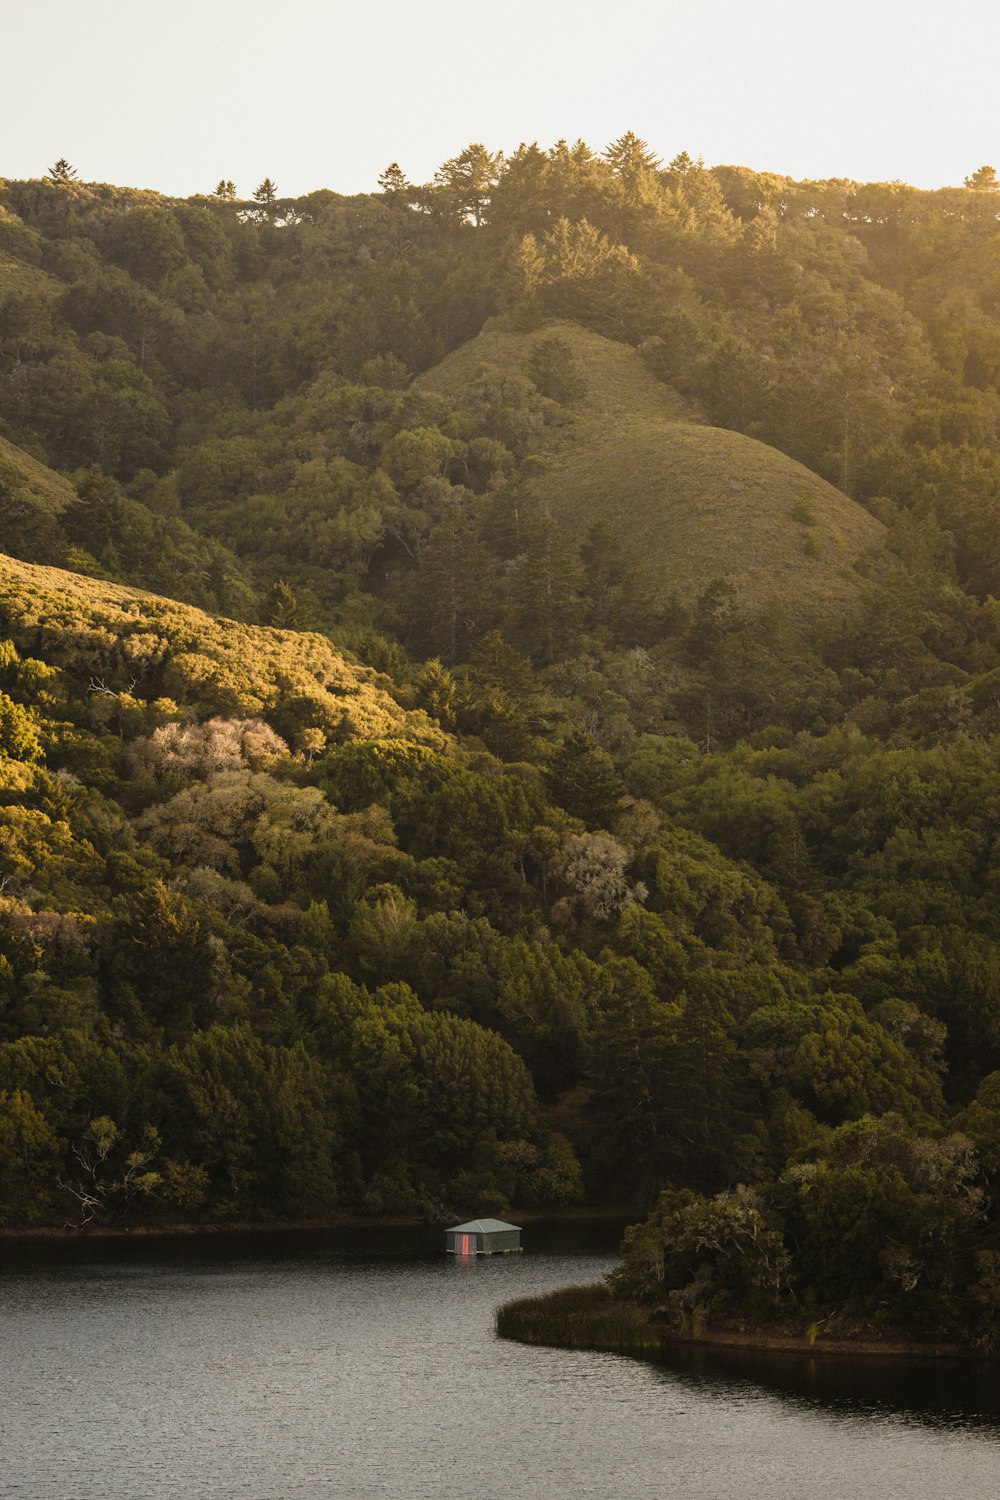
(62, 172)
(584, 781)
(467, 181)
(266, 195)
(983, 180)
(394, 181)
(281, 608)
(630, 158)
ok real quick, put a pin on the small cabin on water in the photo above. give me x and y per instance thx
(483, 1237)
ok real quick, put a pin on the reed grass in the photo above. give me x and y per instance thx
(578, 1317)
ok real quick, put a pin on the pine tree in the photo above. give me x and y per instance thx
(281, 608)
(583, 780)
(467, 180)
(503, 697)
(62, 172)
(394, 181)
(546, 592)
(437, 693)
(983, 180)
(98, 520)
(631, 159)
(266, 195)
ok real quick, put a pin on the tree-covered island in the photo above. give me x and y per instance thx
(499, 707)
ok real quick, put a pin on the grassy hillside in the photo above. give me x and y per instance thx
(617, 383)
(19, 277)
(692, 503)
(689, 502)
(34, 483)
(117, 636)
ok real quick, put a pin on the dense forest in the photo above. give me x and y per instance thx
(499, 698)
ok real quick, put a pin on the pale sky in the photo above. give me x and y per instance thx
(174, 94)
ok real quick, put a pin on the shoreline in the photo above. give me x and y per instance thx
(333, 1223)
(797, 1344)
(590, 1318)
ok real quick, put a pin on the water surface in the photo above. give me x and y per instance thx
(334, 1368)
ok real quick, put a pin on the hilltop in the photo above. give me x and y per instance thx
(616, 383)
(689, 503)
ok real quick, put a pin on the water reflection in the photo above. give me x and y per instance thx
(935, 1393)
(599, 1235)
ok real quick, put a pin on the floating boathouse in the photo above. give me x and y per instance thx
(483, 1237)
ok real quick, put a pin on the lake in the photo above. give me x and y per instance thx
(365, 1365)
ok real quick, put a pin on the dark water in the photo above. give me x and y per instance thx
(369, 1367)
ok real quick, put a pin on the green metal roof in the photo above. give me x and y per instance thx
(483, 1226)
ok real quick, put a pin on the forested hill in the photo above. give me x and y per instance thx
(498, 705)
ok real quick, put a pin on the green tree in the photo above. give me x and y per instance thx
(265, 195)
(503, 701)
(631, 160)
(545, 591)
(98, 520)
(159, 962)
(466, 182)
(18, 731)
(148, 242)
(553, 367)
(708, 1257)
(450, 593)
(416, 454)
(281, 607)
(29, 1159)
(983, 180)
(628, 1081)
(583, 780)
(437, 691)
(62, 172)
(394, 182)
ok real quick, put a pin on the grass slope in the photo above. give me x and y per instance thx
(690, 503)
(106, 633)
(19, 278)
(33, 482)
(617, 383)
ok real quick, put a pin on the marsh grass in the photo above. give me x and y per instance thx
(578, 1317)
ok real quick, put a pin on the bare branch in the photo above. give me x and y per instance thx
(98, 685)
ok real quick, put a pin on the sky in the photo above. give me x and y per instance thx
(176, 94)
